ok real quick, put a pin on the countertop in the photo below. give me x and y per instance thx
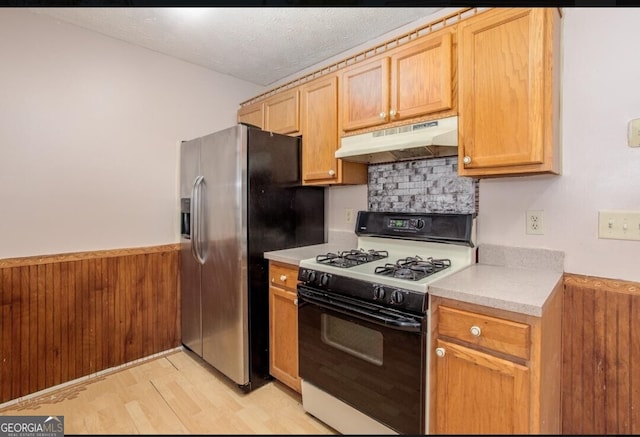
(295, 255)
(498, 282)
(338, 240)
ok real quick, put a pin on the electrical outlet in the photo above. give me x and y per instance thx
(535, 222)
(349, 216)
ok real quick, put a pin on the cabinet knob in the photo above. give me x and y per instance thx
(475, 331)
(283, 278)
(332, 172)
(440, 352)
(295, 301)
(392, 113)
(466, 160)
(383, 114)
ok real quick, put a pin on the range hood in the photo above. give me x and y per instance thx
(427, 139)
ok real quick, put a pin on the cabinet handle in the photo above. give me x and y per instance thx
(392, 113)
(332, 172)
(295, 301)
(440, 352)
(283, 278)
(383, 114)
(475, 331)
(466, 160)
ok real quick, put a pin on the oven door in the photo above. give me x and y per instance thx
(367, 356)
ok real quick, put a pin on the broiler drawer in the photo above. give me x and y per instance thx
(493, 333)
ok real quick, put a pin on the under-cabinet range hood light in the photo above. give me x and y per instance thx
(427, 139)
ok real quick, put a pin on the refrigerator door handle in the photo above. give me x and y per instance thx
(196, 212)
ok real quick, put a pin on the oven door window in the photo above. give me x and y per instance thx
(356, 340)
(376, 369)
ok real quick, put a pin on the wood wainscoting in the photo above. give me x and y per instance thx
(601, 356)
(67, 316)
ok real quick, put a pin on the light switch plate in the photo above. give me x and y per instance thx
(634, 133)
(619, 225)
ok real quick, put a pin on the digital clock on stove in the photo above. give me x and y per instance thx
(396, 223)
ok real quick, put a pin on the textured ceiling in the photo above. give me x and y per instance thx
(259, 45)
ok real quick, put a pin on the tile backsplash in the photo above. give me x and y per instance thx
(425, 185)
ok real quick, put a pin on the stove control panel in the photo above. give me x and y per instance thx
(436, 227)
(380, 294)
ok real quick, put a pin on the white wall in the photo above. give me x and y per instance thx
(340, 198)
(89, 134)
(599, 170)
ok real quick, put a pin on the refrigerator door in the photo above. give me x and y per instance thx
(281, 214)
(189, 266)
(224, 273)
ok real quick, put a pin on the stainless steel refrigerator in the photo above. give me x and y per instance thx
(241, 196)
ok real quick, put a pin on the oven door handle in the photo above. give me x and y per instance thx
(361, 313)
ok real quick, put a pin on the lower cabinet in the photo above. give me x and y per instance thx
(283, 324)
(494, 371)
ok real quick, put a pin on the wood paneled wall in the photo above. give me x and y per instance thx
(601, 356)
(67, 316)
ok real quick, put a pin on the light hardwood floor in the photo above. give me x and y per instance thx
(173, 394)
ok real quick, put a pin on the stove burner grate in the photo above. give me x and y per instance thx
(413, 268)
(350, 258)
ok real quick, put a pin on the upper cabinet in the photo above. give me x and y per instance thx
(408, 82)
(320, 140)
(508, 82)
(497, 70)
(281, 112)
(251, 114)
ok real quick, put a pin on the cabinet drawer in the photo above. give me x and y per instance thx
(285, 276)
(500, 335)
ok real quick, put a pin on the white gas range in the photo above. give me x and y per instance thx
(363, 320)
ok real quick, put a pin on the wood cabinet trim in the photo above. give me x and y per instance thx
(79, 256)
(605, 284)
(381, 48)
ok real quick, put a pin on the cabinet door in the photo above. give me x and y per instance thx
(505, 92)
(319, 113)
(251, 114)
(283, 337)
(319, 124)
(281, 113)
(478, 393)
(421, 78)
(364, 94)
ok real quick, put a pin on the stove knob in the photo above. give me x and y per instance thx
(324, 279)
(397, 297)
(419, 224)
(378, 292)
(311, 276)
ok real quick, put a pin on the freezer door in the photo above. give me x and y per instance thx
(189, 266)
(224, 273)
